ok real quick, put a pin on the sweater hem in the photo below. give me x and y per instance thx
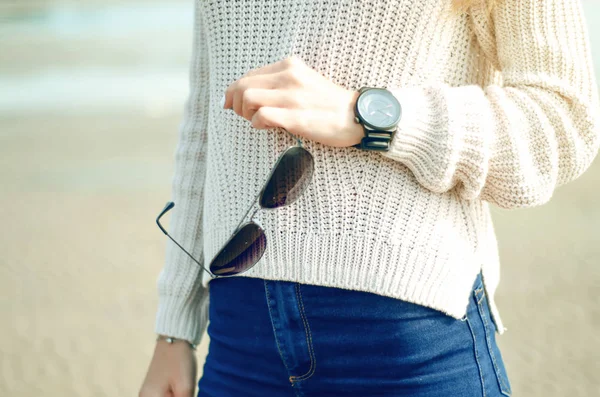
(441, 280)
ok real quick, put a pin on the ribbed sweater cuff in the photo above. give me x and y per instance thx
(415, 142)
(183, 318)
(438, 149)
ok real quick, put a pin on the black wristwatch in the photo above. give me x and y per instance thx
(379, 112)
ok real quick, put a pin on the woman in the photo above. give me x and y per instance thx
(379, 277)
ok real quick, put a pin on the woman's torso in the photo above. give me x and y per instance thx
(370, 202)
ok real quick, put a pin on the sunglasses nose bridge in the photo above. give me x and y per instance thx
(256, 208)
(254, 213)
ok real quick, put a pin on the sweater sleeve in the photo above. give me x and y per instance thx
(182, 307)
(511, 145)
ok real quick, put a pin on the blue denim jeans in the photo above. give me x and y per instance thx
(279, 338)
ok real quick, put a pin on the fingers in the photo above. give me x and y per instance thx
(255, 98)
(296, 121)
(176, 389)
(274, 67)
(233, 93)
(287, 73)
(290, 95)
(171, 373)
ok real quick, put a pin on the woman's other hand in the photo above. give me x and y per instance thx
(291, 95)
(172, 371)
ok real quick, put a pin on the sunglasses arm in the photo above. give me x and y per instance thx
(170, 205)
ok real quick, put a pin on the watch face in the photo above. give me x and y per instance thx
(379, 108)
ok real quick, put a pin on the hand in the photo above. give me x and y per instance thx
(291, 95)
(172, 371)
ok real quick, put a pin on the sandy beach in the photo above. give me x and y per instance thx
(89, 113)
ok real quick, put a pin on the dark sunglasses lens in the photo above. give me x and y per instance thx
(289, 179)
(241, 252)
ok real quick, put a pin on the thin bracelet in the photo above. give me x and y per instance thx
(170, 339)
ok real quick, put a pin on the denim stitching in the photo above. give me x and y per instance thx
(504, 387)
(479, 292)
(480, 298)
(274, 330)
(311, 370)
(476, 356)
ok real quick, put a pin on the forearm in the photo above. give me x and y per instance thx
(513, 144)
(182, 299)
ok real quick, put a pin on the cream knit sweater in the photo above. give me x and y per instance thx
(498, 108)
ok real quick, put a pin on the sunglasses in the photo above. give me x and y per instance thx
(287, 180)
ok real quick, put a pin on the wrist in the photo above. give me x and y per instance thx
(171, 340)
(355, 130)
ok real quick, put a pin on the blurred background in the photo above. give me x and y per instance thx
(91, 96)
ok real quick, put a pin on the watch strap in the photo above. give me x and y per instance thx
(375, 140)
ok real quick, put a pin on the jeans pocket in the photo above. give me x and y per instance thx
(490, 340)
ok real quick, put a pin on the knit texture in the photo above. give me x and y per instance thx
(499, 108)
